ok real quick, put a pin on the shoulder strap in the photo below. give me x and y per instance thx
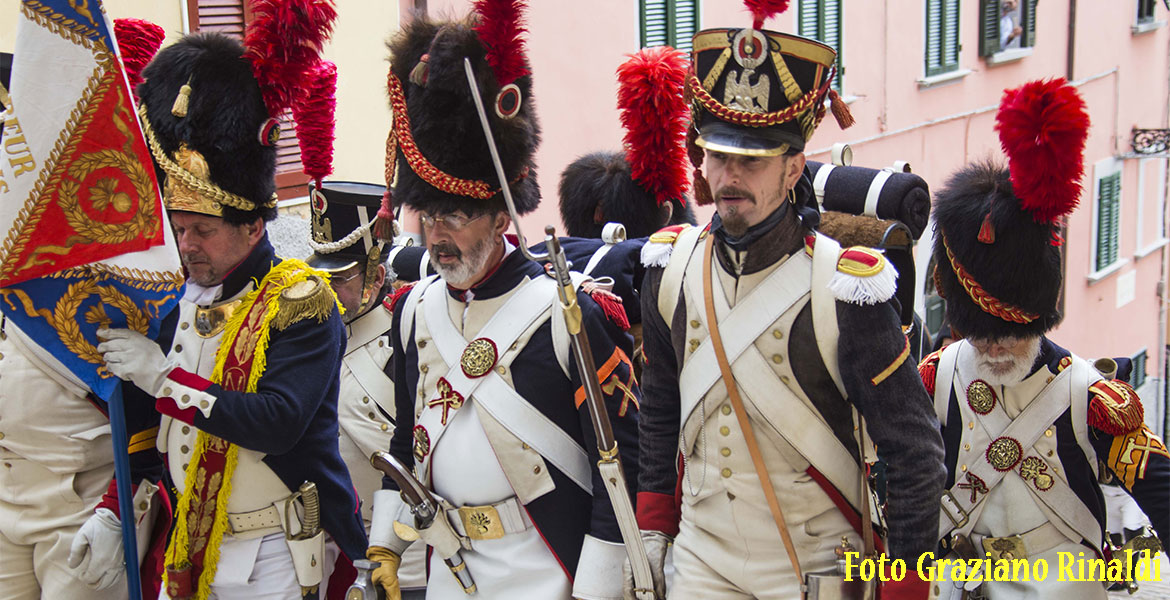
(826, 251)
(410, 303)
(947, 361)
(1083, 376)
(672, 276)
(560, 330)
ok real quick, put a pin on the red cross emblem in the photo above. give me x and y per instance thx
(448, 399)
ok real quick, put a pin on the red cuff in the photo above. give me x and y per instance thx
(658, 512)
(170, 408)
(912, 587)
(110, 498)
(189, 379)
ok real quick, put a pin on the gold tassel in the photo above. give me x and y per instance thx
(179, 108)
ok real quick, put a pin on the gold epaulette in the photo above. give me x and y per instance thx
(863, 276)
(667, 235)
(1114, 407)
(302, 293)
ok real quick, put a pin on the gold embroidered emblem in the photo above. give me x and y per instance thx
(976, 485)
(613, 384)
(448, 400)
(1129, 454)
(980, 397)
(1034, 469)
(422, 443)
(478, 357)
(481, 522)
(1004, 453)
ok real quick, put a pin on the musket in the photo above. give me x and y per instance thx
(424, 507)
(610, 464)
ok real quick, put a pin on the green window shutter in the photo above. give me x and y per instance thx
(808, 18)
(933, 37)
(1028, 15)
(1108, 209)
(1137, 378)
(686, 23)
(1145, 11)
(942, 36)
(950, 48)
(652, 23)
(988, 27)
(821, 20)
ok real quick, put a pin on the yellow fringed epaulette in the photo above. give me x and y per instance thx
(863, 276)
(667, 235)
(1114, 407)
(657, 250)
(303, 293)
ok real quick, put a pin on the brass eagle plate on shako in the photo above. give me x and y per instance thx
(980, 396)
(1004, 453)
(478, 357)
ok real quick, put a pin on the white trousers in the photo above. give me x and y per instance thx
(260, 569)
(518, 566)
(729, 549)
(40, 512)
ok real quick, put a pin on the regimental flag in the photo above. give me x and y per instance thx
(85, 239)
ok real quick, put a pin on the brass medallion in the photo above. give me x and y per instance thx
(478, 357)
(1004, 453)
(422, 443)
(980, 397)
(1034, 469)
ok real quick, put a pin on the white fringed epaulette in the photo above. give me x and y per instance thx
(657, 250)
(863, 276)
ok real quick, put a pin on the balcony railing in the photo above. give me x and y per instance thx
(1150, 141)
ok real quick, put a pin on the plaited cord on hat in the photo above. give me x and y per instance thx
(750, 119)
(343, 243)
(429, 173)
(990, 304)
(206, 188)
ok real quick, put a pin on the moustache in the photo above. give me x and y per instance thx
(192, 259)
(730, 190)
(445, 248)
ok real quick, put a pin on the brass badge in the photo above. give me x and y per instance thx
(980, 397)
(478, 357)
(1034, 469)
(1006, 548)
(422, 443)
(1004, 453)
(448, 399)
(481, 522)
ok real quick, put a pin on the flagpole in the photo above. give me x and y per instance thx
(125, 500)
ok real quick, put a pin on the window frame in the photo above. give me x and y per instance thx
(989, 46)
(1106, 169)
(943, 68)
(1148, 14)
(1138, 376)
(839, 48)
(1146, 211)
(672, 30)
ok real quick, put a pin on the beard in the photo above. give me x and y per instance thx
(469, 263)
(1007, 370)
(733, 221)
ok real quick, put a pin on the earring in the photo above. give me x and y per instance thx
(792, 196)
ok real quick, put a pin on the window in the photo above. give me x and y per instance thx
(1145, 11)
(1006, 25)
(1137, 378)
(668, 23)
(942, 36)
(230, 17)
(821, 20)
(1108, 217)
(1151, 201)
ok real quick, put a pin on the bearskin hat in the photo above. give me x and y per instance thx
(437, 148)
(225, 114)
(997, 228)
(598, 188)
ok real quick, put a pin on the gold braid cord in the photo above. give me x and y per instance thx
(402, 138)
(206, 188)
(750, 119)
(990, 304)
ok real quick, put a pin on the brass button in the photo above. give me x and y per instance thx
(178, 347)
(385, 427)
(726, 409)
(1, 435)
(725, 472)
(725, 451)
(784, 379)
(523, 445)
(1049, 453)
(381, 343)
(725, 430)
(513, 346)
(166, 391)
(776, 333)
(370, 414)
(971, 425)
(966, 446)
(776, 358)
(422, 343)
(184, 325)
(536, 469)
(365, 399)
(204, 404)
(185, 466)
(1047, 433)
(424, 368)
(184, 449)
(1049, 380)
(695, 323)
(185, 398)
(501, 370)
(694, 344)
(186, 430)
(1, 356)
(963, 468)
(142, 505)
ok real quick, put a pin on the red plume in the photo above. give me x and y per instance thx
(655, 116)
(1042, 127)
(138, 41)
(763, 10)
(284, 40)
(501, 29)
(314, 117)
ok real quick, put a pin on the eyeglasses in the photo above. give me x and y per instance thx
(335, 279)
(984, 344)
(451, 222)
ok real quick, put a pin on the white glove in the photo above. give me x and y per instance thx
(96, 552)
(656, 544)
(134, 357)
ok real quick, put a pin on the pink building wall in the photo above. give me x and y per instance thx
(575, 48)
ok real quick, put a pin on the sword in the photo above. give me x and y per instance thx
(310, 527)
(423, 506)
(610, 463)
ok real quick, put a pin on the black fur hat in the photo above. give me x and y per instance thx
(598, 188)
(1018, 276)
(224, 121)
(442, 123)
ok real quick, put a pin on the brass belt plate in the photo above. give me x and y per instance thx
(481, 522)
(1007, 548)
